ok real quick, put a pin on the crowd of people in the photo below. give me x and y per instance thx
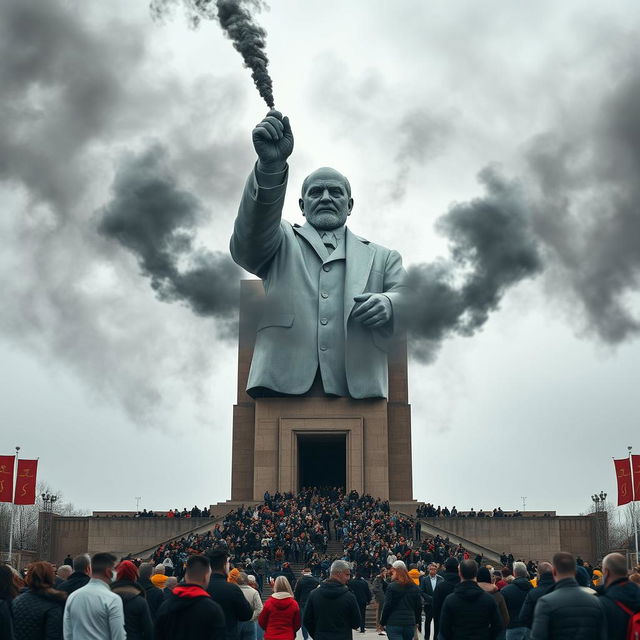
(288, 528)
(101, 598)
(194, 512)
(429, 510)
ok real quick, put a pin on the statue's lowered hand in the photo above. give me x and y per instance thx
(374, 309)
(273, 141)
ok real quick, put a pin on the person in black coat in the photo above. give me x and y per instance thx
(427, 590)
(451, 579)
(154, 596)
(37, 612)
(360, 589)
(227, 594)
(469, 612)
(402, 609)
(545, 583)
(332, 610)
(8, 591)
(190, 613)
(137, 617)
(568, 611)
(515, 594)
(304, 587)
(80, 576)
(618, 590)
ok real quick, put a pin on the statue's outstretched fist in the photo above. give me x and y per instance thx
(273, 141)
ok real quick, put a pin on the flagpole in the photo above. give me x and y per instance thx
(634, 521)
(13, 506)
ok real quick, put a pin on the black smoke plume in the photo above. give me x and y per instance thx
(156, 220)
(235, 18)
(492, 249)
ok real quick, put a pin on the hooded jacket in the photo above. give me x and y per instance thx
(493, 591)
(230, 597)
(190, 614)
(331, 612)
(280, 617)
(155, 596)
(514, 595)
(137, 617)
(304, 587)
(74, 582)
(628, 594)
(469, 613)
(414, 574)
(545, 583)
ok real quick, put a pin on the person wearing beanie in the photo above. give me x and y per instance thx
(486, 584)
(233, 576)
(159, 580)
(450, 580)
(414, 574)
(137, 616)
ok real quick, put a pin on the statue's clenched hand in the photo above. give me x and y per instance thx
(374, 310)
(273, 141)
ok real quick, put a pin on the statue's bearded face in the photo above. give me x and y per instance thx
(326, 200)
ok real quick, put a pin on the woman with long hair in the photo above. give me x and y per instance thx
(280, 616)
(37, 613)
(402, 609)
(8, 591)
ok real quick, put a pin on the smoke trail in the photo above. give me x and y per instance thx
(492, 248)
(155, 220)
(235, 18)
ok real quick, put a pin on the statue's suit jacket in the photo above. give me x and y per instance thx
(290, 259)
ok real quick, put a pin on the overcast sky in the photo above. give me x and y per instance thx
(122, 394)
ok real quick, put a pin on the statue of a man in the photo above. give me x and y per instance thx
(333, 299)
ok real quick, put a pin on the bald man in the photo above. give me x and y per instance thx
(333, 300)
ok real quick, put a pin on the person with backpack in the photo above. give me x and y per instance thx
(620, 598)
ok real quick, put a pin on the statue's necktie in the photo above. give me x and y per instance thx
(329, 241)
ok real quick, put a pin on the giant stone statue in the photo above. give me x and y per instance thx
(333, 300)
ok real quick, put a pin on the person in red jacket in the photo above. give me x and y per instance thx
(280, 616)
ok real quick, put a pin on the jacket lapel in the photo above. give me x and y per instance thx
(313, 238)
(359, 258)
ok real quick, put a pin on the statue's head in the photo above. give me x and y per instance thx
(326, 199)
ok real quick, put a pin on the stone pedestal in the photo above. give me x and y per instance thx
(268, 432)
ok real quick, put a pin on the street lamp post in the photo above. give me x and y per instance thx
(599, 501)
(48, 501)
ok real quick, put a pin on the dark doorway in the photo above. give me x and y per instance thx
(322, 460)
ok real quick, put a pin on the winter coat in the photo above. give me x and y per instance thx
(331, 612)
(190, 614)
(6, 620)
(360, 589)
(137, 617)
(254, 599)
(446, 587)
(469, 613)
(493, 591)
(569, 612)
(230, 597)
(628, 594)
(37, 615)
(402, 605)
(514, 595)
(280, 617)
(545, 583)
(304, 587)
(75, 581)
(155, 596)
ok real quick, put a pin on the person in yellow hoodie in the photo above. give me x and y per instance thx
(414, 574)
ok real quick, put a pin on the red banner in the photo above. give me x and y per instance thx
(26, 482)
(623, 474)
(6, 478)
(635, 465)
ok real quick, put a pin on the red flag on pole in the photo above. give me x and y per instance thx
(635, 467)
(26, 482)
(623, 474)
(6, 478)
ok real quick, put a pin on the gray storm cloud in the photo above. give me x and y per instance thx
(156, 220)
(236, 19)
